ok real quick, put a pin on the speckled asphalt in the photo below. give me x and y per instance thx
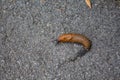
(28, 29)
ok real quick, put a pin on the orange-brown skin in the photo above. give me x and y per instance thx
(75, 38)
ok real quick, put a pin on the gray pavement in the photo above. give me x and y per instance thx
(28, 28)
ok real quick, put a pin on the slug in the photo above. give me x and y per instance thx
(75, 38)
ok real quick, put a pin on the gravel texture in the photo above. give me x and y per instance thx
(28, 29)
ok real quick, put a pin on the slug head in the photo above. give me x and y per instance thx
(64, 38)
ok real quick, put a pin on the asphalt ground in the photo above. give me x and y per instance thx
(28, 29)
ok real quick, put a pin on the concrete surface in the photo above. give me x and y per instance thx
(28, 28)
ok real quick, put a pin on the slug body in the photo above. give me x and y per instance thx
(75, 38)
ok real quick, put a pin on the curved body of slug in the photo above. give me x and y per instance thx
(75, 38)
